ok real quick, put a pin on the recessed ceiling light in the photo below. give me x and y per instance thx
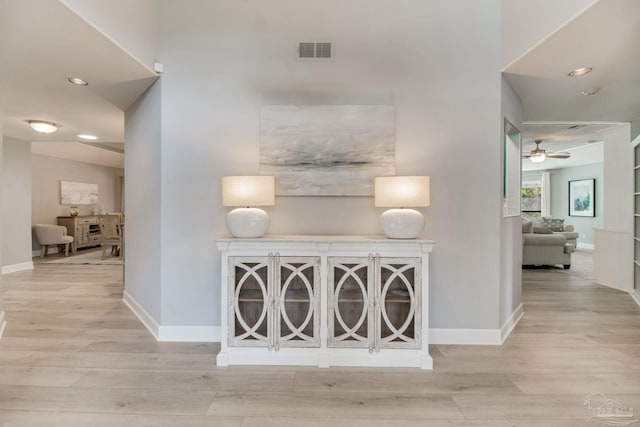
(87, 136)
(591, 91)
(580, 71)
(77, 81)
(43, 126)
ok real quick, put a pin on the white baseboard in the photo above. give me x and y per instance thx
(511, 323)
(171, 333)
(146, 319)
(635, 295)
(189, 333)
(3, 324)
(477, 336)
(17, 267)
(465, 336)
(587, 246)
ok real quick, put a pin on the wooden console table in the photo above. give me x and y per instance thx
(85, 230)
(325, 301)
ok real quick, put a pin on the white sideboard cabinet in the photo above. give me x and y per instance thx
(325, 301)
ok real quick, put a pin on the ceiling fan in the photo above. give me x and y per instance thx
(538, 155)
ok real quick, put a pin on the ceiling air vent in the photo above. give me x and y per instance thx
(315, 50)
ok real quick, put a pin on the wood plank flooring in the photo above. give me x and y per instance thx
(74, 355)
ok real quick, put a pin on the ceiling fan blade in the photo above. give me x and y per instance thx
(560, 155)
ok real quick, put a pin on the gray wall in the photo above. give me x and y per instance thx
(2, 314)
(47, 174)
(142, 186)
(511, 228)
(560, 198)
(222, 57)
(16, 202)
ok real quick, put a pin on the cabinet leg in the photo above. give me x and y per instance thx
(222, 359)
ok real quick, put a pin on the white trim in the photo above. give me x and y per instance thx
(613, 287)
(635, 295)
(465, 336)
(587, 246)
(17, 267)
(189, 334)
(511, 323)
(3, 324)
(171, 333)
(146, 319)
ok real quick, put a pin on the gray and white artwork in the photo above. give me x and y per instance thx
(327, 150)
(78, 193)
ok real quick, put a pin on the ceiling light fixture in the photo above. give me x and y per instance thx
(87, 136)
(591, 91)
(43, 126)
(77, 81)
(538, 157)
(580, 71)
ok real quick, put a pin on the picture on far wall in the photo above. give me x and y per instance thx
(582, 197)
(327, 150)
(78, 193)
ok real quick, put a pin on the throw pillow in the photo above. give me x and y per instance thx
(553, 224)
(527, 226)
(542, 230)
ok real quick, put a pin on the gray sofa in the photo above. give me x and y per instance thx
(541, 246)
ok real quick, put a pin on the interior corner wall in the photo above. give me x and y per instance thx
(618, 178)
(560, 178)
(526, 23)
(16, 202)
(142, 280)
(47, 172)
(511, 227)
(131, 24)
(222, 57)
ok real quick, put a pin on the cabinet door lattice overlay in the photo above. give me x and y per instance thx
(398, 304)
(297, 307)
(249, 320)
(350, 308)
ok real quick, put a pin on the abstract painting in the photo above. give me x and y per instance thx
(327, 150)
(78, 193)
(582, 201)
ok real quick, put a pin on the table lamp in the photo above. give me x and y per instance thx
(400, 192)
(248, 192)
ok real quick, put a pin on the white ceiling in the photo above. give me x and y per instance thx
(36, 59)
(605, 37)
(42, 43)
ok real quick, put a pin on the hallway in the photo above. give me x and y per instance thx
(74, 355)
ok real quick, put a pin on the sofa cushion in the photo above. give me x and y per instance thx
(542, 230)
(527, 226)
(554, 239)
(553, 224)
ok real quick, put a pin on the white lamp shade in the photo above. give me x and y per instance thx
(402, 191)
(248, 191)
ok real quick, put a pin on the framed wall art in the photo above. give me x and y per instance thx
(582, 197)
(327, 150)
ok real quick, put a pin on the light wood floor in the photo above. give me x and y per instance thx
(74, 355)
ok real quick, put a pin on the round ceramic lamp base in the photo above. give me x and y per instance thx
(402, 223)
(247, 222)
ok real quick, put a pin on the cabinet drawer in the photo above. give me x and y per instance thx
(87, 220)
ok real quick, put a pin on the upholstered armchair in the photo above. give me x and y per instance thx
(49, 234)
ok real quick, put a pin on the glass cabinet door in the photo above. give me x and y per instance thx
(249, 319)
(297, 308)
(349, 302)
(398, 309)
